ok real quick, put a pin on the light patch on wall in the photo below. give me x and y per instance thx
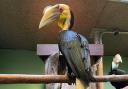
(124, 1)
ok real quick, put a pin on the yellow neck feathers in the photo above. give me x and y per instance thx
(64, 20)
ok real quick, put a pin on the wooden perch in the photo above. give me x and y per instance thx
(107, 78)
(23, 78)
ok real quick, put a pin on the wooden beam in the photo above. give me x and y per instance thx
(99, 72)
(48, 49)
(36, 79)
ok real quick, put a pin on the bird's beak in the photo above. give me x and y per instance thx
(121, 61)
(51, 14)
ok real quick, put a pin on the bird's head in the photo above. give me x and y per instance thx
(59, 13)
(116, 61)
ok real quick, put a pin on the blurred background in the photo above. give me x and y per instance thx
(27, 62)
(19, 33)
(20, 62)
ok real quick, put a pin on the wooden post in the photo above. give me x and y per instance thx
(55, 65)
(99, 72)
(93, 84)
(51, 67)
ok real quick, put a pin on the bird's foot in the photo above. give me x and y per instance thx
(90, 73)
(72, 78)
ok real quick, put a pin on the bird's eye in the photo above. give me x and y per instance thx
(61, 9)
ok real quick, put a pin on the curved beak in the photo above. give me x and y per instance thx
(121, 61)
(117, 59)
(51, 14)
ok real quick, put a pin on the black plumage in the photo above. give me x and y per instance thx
(117, 71)
(75, 48)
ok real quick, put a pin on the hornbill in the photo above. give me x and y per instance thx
(73, 46)
(116, 71)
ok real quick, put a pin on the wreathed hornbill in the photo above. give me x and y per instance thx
(116, 71)
(72, 45)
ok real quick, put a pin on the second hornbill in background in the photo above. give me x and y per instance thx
(72, 45)
(116, 71)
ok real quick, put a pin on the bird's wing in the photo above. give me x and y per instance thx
(120, 72)
(117, 72)
(85, 53)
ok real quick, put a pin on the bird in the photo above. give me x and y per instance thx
(116, 71)
(73, 46)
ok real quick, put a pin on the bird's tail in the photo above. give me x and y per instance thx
(81, 84)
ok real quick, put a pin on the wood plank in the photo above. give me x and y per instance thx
(48, 49)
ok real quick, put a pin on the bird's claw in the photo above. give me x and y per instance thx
(90, 73)
(72, 78)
